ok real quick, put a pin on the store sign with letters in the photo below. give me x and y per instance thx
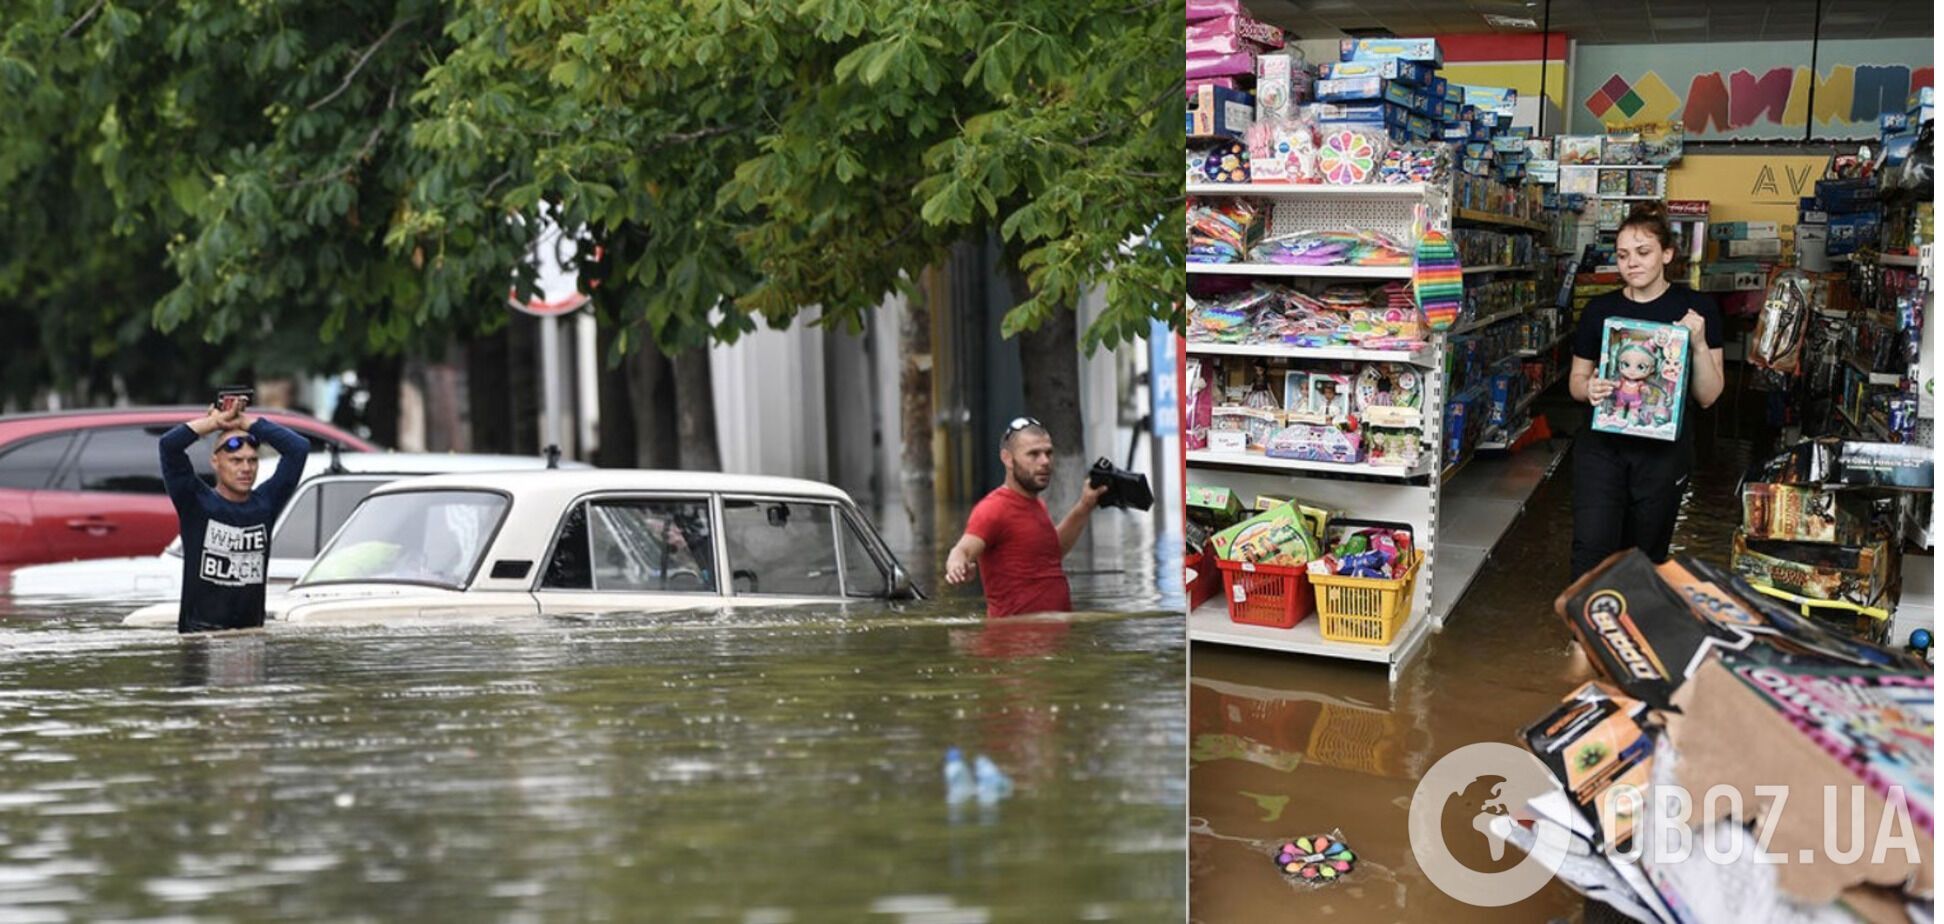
(1747, 90)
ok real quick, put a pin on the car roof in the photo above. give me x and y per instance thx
(36, 423)
(418, 463)
(557, 488)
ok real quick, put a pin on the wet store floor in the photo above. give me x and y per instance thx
(1282, 746)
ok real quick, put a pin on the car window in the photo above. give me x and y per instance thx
(297, 535)
(652, 545)
(780, 547)
(30, 465)
(642, 545)
(316, 513)
(122, 460)
(862, 575)
(421, 537)
(337, 499)
(571, 567)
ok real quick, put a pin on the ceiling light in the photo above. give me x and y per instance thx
(1511, 22)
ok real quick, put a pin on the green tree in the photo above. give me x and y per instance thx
(229, 173)
(746, 160)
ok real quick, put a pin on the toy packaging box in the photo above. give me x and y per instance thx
(1594, 742)
(1857, 575)
(1807, 513)
(1649, 364)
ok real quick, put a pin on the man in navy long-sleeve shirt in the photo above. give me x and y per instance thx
(226, 531)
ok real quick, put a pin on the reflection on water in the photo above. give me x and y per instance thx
(1283, 746)
(763, 766)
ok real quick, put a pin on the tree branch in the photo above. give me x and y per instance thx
(1160, 99)
(71, 30)
(362, 60)
(697, 135)
(364, 150)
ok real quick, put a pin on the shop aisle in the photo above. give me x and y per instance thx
(1281, 747)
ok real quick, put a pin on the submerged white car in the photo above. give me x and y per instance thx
(327, 494)
(591, 542)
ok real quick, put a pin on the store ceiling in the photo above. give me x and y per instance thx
(1604, 22)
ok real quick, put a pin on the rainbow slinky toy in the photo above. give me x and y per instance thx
(1439, 279)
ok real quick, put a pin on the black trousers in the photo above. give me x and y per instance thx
(1626, 493)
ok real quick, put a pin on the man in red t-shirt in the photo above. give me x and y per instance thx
(1012, 532)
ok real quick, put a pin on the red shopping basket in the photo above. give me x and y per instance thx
(1206, 582)
(1275, 596)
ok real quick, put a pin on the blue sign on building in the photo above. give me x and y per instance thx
(1162, 372)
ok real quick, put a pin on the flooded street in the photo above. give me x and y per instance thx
(1283, 746)
(780, 765)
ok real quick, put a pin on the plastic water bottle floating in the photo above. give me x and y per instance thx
(981, 779)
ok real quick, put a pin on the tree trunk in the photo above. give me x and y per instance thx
(917, 484)
(1050, 372)
(618, 448)
(651, 389)
(695, 410)
(381, 376)
(486, 393)
(522, 382)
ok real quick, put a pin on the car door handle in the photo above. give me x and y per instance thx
(93, 526)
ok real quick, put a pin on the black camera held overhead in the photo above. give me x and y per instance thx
(1124, 488)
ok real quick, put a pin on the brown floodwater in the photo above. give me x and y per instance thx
(1283, 745)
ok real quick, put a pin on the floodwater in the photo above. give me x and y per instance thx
(1283, 746)
(770, 766)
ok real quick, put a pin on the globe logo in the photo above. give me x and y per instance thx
(1460, 815)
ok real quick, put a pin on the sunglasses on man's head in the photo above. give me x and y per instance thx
(237, 442)
(1020, 423)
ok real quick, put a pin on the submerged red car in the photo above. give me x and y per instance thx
(88, 484)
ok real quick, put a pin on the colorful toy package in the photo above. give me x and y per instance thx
(1279, 536)
(1649, 364)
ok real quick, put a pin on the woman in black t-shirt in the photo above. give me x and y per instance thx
(1627, 489)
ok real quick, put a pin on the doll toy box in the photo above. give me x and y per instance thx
(1648, 363)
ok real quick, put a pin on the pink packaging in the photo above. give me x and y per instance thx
(1221, 65)
(1217, 36)
(1226, 83)
(1230, 34)
(1209, 9)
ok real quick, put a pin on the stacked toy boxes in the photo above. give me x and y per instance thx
(1388, 85)
(1849, 210)
(1234, 67)
(1493, 148)
(1898, 130)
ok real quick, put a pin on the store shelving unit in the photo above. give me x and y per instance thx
(1293, 271)
(1456, 543)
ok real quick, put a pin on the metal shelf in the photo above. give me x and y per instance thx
(1897, 259)
(1489, 320)
(1497, 446)
(1488, 218)
(1874, 378)
(1285, 270)
(1210, 623)
(1498, 269)
(1631, 198)
(1549, 347)
(1308, 190)
(1258, 460)
(1422, 356)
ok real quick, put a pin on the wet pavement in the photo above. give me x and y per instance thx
(766, 766)
(1283, 746)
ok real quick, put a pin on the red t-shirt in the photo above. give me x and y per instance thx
(1021, 565)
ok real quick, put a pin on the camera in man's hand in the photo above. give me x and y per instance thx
(1124, 488)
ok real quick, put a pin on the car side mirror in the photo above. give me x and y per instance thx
(901, 586)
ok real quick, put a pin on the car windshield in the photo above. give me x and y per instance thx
(412, 537)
